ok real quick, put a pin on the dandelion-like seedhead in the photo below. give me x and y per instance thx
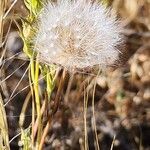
(78, 34)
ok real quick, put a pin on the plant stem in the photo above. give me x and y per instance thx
(37, 101)
(35, 77)
(55, 108)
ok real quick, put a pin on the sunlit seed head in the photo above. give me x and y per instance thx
(78, 34)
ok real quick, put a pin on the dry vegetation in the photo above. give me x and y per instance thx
(121, 99)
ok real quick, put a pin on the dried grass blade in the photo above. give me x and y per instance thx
(4, 138)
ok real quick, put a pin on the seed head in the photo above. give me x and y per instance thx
(78, 34)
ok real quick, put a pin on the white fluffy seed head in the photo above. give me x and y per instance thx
(78, 34)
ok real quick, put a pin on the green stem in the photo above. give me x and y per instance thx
(35, 77)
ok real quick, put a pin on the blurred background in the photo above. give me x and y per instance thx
(122, 97)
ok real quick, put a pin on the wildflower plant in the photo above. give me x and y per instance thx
(75, 35)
